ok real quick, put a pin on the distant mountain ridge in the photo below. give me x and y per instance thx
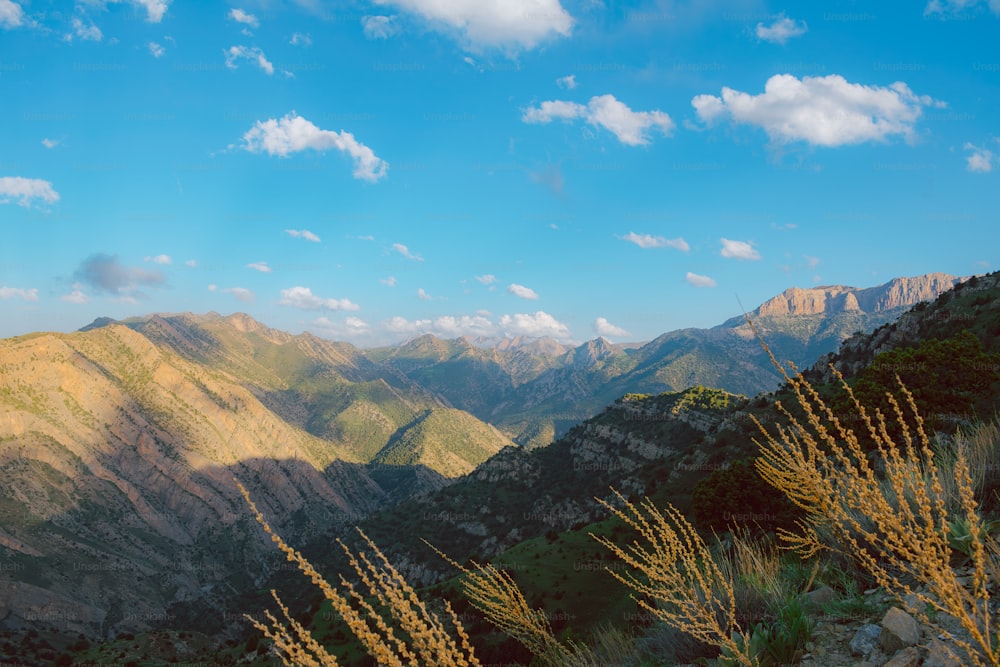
(897, 293)
(536, 392)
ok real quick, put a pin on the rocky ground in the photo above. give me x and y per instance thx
(896, 639)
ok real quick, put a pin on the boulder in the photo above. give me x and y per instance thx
(865, 639)
(817, 598)
(899, 630)
(940, 654)
(908, 657)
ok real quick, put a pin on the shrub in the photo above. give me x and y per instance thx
(402, 631)
(736, 495)
(679, 581)
(895, 526)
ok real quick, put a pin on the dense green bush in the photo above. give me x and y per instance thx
(736, 494)
(951, 381)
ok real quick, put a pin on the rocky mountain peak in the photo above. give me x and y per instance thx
(244, 323)
(544, 346)
(830, 299)
(591, 352)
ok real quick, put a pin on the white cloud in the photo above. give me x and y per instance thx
(522, 291)
(156, 50)
(293, 133)
(351, 328)
(356, 323)
(86, 32)
(981, 159)
(253, 54)
(449, 326)
(243, 17)
(380, 27)
(11, 14)
(959, 6)
(302, 297)
(605, 328)
(155, 9)
(302, 234)
(567, 82)
(487, 279)
(241, 293)
(192, 263)
(699, 280)
(824, 111)
(811, 262)
(630, 127)
(18, 293)
(537, 324)
(25, 190)
(76, 296)
(300, 39)
(738, 249)
(423, 295)
(50, 143)
(650, 241)
(781, 30)
(259, 266)
(405, 252)
(506, 24)
(552, 109)
(159, 259)
(390, 281)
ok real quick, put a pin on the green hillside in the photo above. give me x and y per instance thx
(448, 441)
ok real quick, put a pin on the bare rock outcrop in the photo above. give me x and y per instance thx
(831, 299)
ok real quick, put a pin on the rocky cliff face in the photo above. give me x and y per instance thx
(896, 293)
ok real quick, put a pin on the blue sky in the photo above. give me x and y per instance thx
(370, 171)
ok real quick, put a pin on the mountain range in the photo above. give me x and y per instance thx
(535, 396)
(120, 444)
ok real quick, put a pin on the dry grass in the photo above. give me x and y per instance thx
(680, 582)
(753, 564)
(400, 630)
(495, 593)
(895, 525)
